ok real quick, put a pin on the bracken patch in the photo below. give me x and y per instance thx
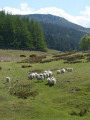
(23, 90)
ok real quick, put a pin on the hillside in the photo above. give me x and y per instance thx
(60, 34)
(48, 18)
(61, 38)
(17, 33)
(26, 99)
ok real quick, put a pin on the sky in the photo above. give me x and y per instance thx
(76, 11)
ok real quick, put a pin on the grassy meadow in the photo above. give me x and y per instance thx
(24, 99)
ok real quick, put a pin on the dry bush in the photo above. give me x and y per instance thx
(65, 54)
(37, 70)
(22, 55)
(0, 68)
(46, 61)
(33, 55)
(74, 51)
(25, 66)
(36, 59)
(88, 55)
(23, 90)
(87, 51)
(81, 113)
(73, 59)
(73, 62)
(88, 59)
(73, 113)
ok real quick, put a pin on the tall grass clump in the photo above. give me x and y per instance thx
(24, 90)
(0, 68)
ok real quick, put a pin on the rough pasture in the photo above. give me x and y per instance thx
(21, 98)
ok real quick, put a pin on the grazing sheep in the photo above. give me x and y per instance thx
(48, 73)
(40, 77)
(63, 70)
(58, 71)
(53, 81)
(48, 80)
(36, 74)
(31, 75)
(7, 79)
(69, 69)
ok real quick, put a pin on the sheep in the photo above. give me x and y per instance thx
(31, 75)
(48, 80)
(58, 71)
(40, 77)
(48, 73)
(69, 69)
(36, 74)
(45, 75)
(7, 79)
(53, 81)
(63, 70)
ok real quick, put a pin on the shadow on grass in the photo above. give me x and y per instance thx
(50, 85)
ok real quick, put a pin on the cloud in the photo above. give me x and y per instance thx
(86, 12)
(57, 12)
(83, 19)
(24, 6)
(24, 9)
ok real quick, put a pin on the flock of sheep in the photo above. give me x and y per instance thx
(46, 75)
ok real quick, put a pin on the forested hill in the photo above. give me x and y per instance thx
(23, 32)
(48, 18)
(20, 33)
(60, 34)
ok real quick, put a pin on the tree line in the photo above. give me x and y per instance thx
(85, 42)
(20, 33)
(61, 38)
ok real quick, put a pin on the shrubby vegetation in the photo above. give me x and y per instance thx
(20, 33)
(85, 42)
(61, 38)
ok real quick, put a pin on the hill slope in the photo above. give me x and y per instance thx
(55, 20)
(69, 99)
(60, 34)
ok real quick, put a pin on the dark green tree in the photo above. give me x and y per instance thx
(85, 42)
(20, 33)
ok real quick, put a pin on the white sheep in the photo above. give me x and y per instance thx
(69, 69)
(48, 80)
(31, 75)
(48, 73)
(58, 71)
(40, 77)
(63, 70)
(7, 79)
(53, 81)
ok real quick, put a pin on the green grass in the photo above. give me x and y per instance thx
(52, 103)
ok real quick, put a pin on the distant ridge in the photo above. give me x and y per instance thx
(48, 18)
(60, 34)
